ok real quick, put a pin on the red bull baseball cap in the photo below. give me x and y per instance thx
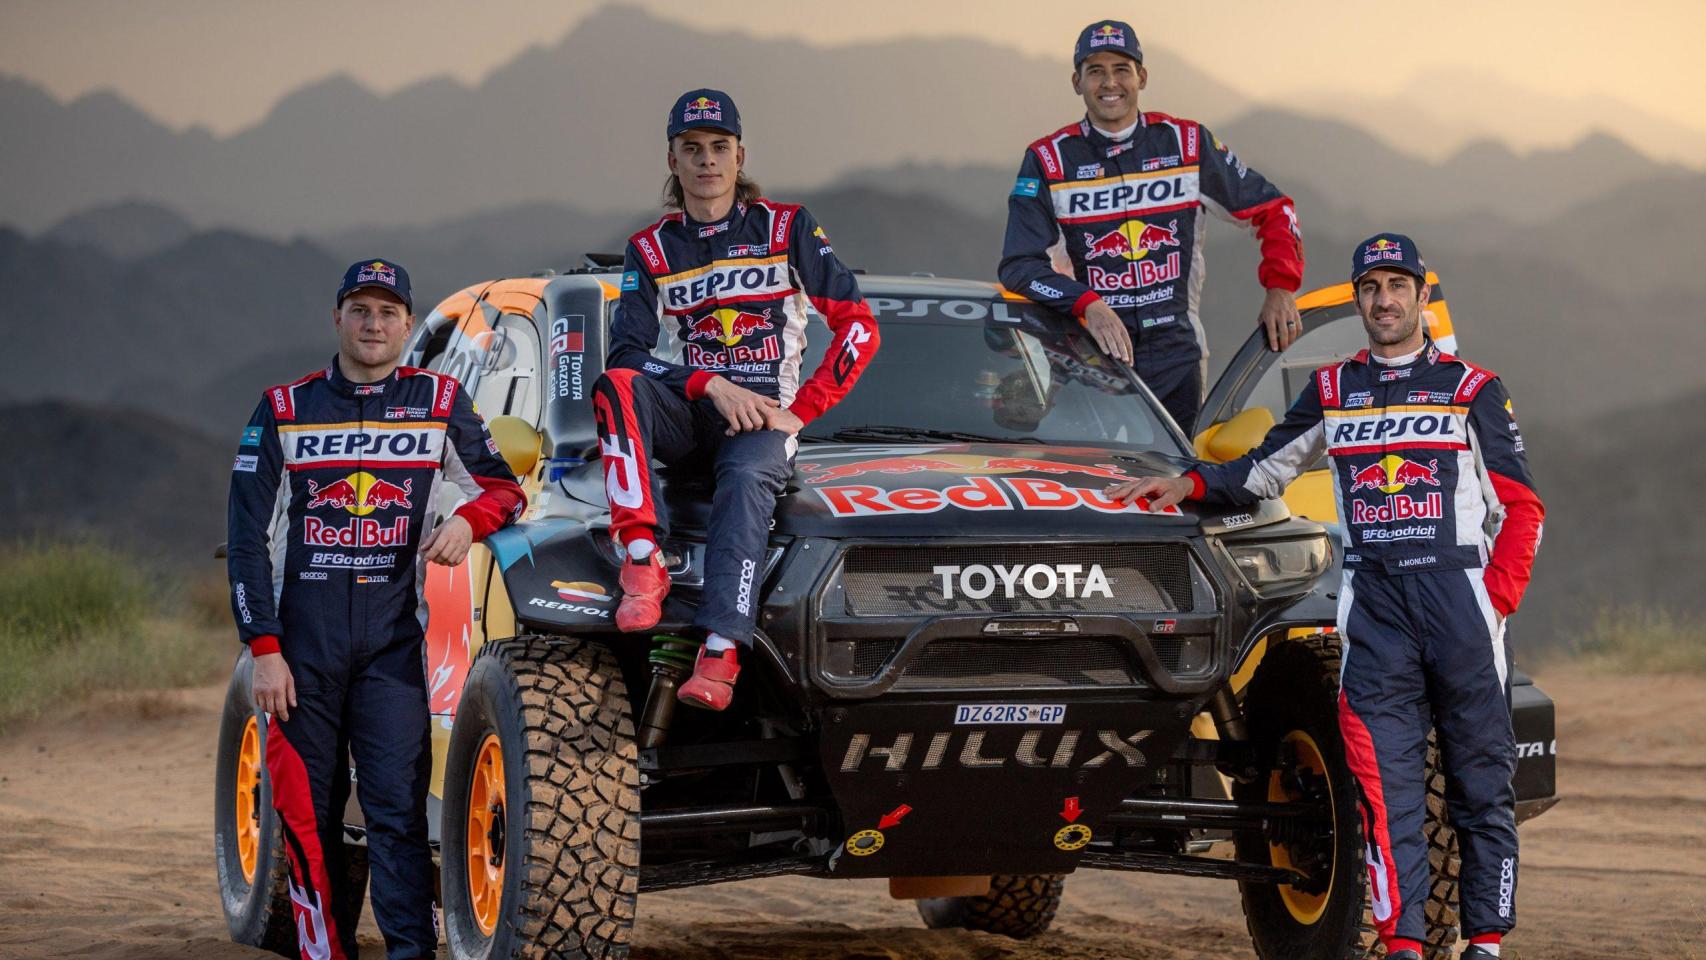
(1388, 250)
(381, 274)
(1107, 36)
(704, 109)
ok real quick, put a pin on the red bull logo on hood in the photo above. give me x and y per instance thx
(1132, 240)
(361, 493)
(990, 483)
(728, 326)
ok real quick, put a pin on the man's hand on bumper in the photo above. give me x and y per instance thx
(1159, 492)
(1279, 317)
(448, 545)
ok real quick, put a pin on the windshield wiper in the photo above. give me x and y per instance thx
(887, 432)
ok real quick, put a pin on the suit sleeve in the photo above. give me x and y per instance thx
(1027, 264)
(472, 463)
(1510, 489)
(1234, 192)
(256, 506)
(1289, 449)
(635, 328)
(834, 291)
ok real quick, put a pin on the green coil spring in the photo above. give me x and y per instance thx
(673, 652)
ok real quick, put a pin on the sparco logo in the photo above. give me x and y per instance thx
(1507, 885)
(1039, 580)
(743, 596)
(243, 603)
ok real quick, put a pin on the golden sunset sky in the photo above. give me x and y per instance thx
(1537, 73)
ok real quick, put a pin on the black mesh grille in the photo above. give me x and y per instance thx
(868, 656)
(1169, 650)
(882, 581)
(1019, 664)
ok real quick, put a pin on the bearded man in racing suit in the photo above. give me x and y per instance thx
(727, 280)
(1106, 223)
(1440, 524)
(335, 480)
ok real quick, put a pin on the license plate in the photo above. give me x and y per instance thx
(998, 713)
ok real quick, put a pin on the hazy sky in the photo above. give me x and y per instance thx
(224, 63)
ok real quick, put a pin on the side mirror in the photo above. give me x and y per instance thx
(1236, 437)
(518, 443)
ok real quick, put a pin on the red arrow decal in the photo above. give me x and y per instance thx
(893, 817)
(1070, 811)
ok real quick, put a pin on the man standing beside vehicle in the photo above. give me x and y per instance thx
(728, 279)
(1440, 525)
(335, 479)
(1119, 195)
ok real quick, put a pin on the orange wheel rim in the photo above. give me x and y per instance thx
(486, 835)
(1305, 908)
(248, 805)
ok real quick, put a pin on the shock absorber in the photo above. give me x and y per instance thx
(671, 659)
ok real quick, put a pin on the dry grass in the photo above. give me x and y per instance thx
(78, 619)
(1642, 640)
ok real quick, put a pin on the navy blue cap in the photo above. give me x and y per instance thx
(704, 109)
(382, 274)
(1388, 250)
(1107, 36)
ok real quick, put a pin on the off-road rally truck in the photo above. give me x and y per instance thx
(974, 675)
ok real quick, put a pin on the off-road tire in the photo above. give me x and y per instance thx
(1297, 688)
(1018, 906)
(258, 914)
(571, 843)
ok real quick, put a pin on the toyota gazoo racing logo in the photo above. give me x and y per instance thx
(359, 493)
(1039, 581)
(1392, 475)
(1132, 240)
(990, 484)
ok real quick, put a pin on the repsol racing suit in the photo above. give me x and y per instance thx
(730, 299)
(1439, 523)
(333, 485)
(1120, 220)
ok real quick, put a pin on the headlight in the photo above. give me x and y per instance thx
(1278, 567)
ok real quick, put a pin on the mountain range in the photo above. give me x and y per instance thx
(546, 128)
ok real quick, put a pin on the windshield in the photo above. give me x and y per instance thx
(1006, 371)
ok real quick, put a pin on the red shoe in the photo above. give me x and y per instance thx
(644, 585)
(712, 685)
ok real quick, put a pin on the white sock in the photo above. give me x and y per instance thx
(639, 550)
(717, 643)
(1491, 948)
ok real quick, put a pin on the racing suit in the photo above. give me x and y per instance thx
(730, 299)
(332, 486)
(1439, 524)
(1092, 217)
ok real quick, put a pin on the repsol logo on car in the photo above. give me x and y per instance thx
(1089, 199)
(362, 444)
(726, 280)
(977, 493)
(1392, 426)
(358, 532)
(1061, 750)
(1039, 581)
